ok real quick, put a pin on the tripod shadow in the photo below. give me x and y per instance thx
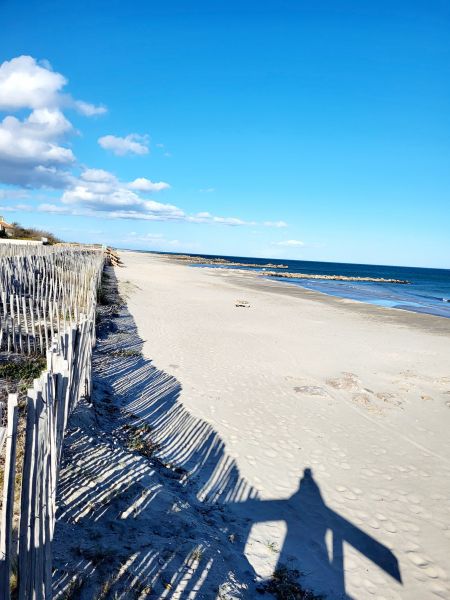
(176, 525)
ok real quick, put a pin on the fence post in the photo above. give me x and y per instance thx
(8, 498)
(26, 500)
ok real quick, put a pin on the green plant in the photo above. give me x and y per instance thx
(30, 233)
(139, 440)
(24, 370)
(125, 353)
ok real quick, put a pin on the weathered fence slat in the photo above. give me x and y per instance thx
(8, 497)
(26, 514)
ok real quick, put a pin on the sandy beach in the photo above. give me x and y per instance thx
(308, 432)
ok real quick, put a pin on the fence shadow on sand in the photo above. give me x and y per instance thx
(175, 524)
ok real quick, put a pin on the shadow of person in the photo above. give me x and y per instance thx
(310, 524)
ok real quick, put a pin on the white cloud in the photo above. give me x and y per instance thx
(206, 217)
(157, 241)
(13, 194)
(24, 83)
(277, 224)
(33, 148)
(289, 243)
(98, 176)
(16, 208)
(31, 84)
(130, 144)
(99, 193)
(142, 184)
(30, 150)
(89, 110)
(55, 209)
(231, 221)
(209, 190)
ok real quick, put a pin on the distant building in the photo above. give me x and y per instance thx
(5, 228)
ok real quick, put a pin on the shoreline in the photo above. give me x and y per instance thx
(247, 279)
(425, 321)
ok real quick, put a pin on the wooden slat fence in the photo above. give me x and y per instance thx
(49, 403)
(42, 295)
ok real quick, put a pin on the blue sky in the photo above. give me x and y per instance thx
(313, 130)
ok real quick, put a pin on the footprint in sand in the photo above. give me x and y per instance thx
(364, 400)
(348, 381)
(417, 559)
(349, 495)
(389, 526)
(310, 390)
(389, 398)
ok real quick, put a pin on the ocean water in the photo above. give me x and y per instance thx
(427, 292)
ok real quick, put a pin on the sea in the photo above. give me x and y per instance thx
(428, 290)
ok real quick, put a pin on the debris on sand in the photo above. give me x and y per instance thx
(242, 303)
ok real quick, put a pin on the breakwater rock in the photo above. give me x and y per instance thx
(332, 277)
(200, 260)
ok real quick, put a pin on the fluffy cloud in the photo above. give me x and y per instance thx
(25, 83)
(33, 149)
(142, 184)
(131, 144)
(30, 151)
(100, 193)
(290, 243)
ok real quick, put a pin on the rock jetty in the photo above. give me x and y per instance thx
(223, 262)
(200, 260)
(333, 277)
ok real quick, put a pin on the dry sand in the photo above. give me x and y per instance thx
(319, 426)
